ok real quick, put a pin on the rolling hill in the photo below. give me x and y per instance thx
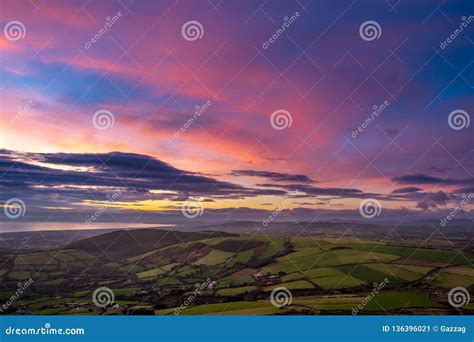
(122, 244)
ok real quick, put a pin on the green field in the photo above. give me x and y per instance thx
(324, 275)
(151, 273)
(449, 280)
(397, 300)
(19, 275)
(292, 285)
(235, 290)
(215, 257)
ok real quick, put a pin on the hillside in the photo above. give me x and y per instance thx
(237, 275)
(121, 244)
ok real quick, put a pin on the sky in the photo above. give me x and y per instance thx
(133, 108)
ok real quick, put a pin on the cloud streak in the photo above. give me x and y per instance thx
(275, 176)
(420, 178)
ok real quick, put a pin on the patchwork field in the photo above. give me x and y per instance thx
(237, 274)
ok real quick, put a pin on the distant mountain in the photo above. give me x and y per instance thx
(41, 240)
(121, 244)
(424, 228)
